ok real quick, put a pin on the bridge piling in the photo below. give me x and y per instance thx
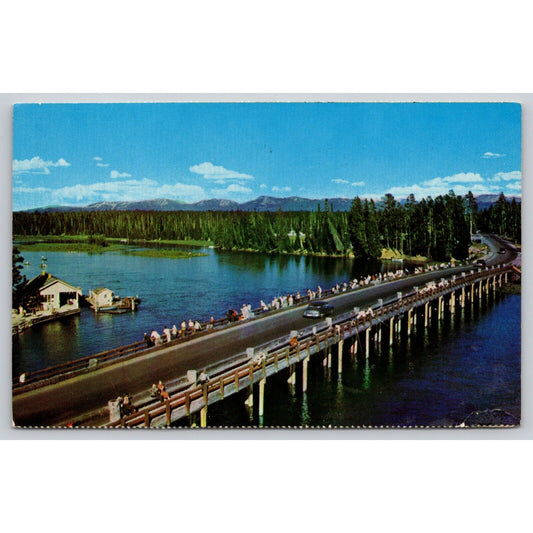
(339, 351)
(367, 342)
(305, 363)
(262, 383)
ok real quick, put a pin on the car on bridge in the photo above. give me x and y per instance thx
(480, 262)
(318, 309)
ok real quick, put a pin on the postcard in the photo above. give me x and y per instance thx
(266, 265)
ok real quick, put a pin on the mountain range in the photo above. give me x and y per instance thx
(262, 203)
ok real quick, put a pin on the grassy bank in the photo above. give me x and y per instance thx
(68, 247)
(169, 253)
(86, 244)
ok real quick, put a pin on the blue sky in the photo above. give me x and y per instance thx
(77, 154)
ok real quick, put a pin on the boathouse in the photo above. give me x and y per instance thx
(101, 297)
(58, 295)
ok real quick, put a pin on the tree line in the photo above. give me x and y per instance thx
(438, 228)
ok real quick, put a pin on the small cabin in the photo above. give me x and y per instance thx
(57, 294)
(101, 297)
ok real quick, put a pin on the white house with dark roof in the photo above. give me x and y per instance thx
(59, 295)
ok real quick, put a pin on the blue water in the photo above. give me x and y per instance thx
(436, 379)
(171, 290)
(467, 363)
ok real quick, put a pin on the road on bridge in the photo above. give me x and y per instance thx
(61, 403)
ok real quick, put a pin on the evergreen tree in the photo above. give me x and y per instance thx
(18, 278)
(356, 229)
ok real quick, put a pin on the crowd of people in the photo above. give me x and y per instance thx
(190, 327)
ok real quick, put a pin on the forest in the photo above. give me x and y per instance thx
(438, 228)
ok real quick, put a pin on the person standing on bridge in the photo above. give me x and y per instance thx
(166, 333)
(183, 328)
(156, 338)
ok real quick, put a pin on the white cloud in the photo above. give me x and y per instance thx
(97, 158)
(491, 155)
(116, 174)
(515, 186)
(281, 189)
(463, 177)
(358, 184)
(437, 189)
(262, 186)
(507, 176)
(340, 181)
(102, 164)
(213, 172)
(128, 190)
(234, 188)
(36, 165)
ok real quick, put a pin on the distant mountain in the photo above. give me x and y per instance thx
(484, 201)
(262, 203)
(159, 204)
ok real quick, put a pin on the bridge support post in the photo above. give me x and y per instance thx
(472, 293)
(249, 402)
(262, 383)
(391, 331)
(426, 306)
(329, 357)
(292, 376)
(354, 348)
(367, 342)
(505, 277)
(409, 313)
(452, 303)
(339, 362)
(462, 297)
(439, 316)
(203, 416)
(305, 362)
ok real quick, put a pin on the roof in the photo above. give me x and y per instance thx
(99, 290)
(42, 281)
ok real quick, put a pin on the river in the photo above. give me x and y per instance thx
(436, 378)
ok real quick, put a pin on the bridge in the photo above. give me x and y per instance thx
(242, 356)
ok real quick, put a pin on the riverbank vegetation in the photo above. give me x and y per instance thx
(169, 253)
(437, 229)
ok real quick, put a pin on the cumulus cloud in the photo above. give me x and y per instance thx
(233, 188)
(507, 176)
(97, 158)
(262, 186)
(340, 181)
(127, 190)
(102, 164)
(358, 184)
(463, 177)
(213, 172)
(36, 165)
(116, 174)
(281, 189)
(514, 186)
(491, 155)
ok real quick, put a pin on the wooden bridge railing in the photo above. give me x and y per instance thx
(345, 326)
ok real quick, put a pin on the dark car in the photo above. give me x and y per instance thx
(481, 263)
(502, 251)
(318, 310)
